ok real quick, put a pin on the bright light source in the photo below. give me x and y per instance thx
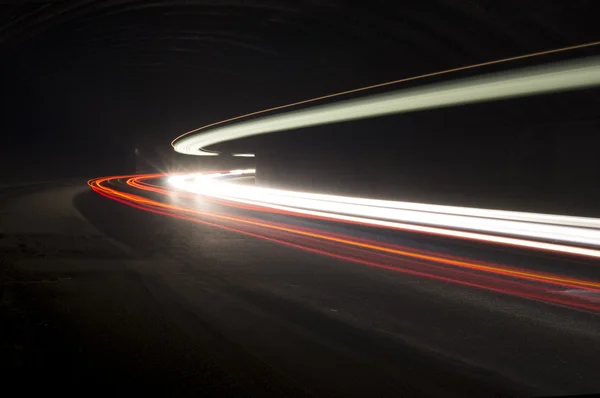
(496, 226)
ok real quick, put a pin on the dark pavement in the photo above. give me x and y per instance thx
(98, 296)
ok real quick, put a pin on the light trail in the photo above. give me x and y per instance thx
(563, 234)
(545, 79)
(385, 84)
(526, 283)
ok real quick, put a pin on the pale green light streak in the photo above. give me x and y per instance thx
(525, 82)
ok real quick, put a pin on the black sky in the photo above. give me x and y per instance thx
(85, 82)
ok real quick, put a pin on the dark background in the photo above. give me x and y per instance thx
(86, 83)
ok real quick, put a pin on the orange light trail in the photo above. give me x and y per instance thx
(135, 182)
(362, 251)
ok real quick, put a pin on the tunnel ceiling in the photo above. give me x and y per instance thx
(155, 68)
(301, 35)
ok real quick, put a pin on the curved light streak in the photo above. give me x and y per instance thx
(394, 82)
(558, 77)
(522, 282)
(564, 234)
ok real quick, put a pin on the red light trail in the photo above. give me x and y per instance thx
(530, 284)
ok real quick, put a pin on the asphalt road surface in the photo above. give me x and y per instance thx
(99, 296)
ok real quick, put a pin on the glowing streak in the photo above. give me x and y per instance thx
(351, 242)
(529, 291)
(258, 196)
(533, 81)
(583, 222)
(385, 84)
(441, 222)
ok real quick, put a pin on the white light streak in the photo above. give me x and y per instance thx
(526, 82)
(531, 230)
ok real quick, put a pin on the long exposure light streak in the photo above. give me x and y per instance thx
(385, 84)
(542, 231)
(494, 277)
(545, 79)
